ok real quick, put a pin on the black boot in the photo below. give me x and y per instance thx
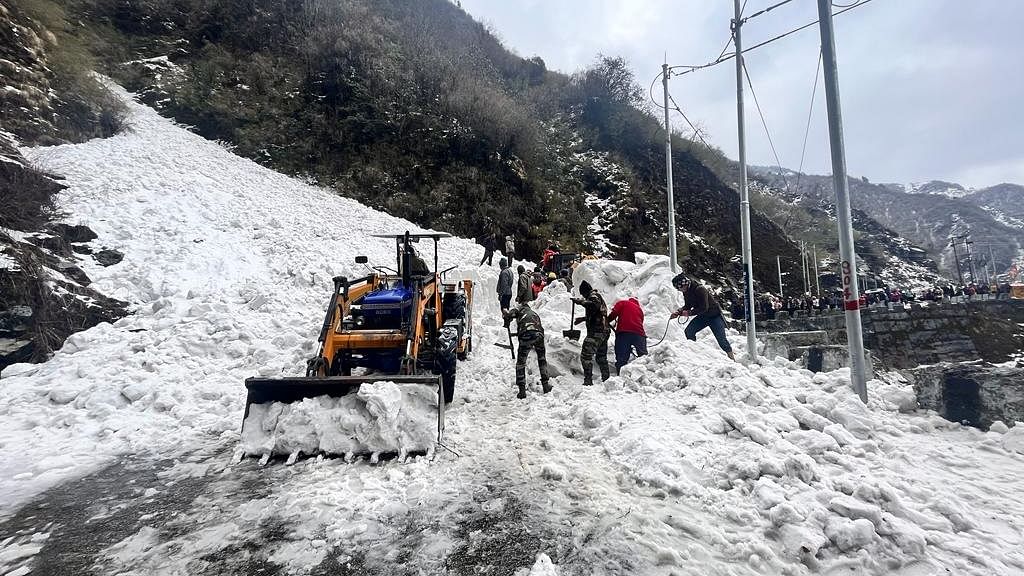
(546, 386)
(522, 391)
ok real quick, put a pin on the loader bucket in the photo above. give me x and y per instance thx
(342, 415)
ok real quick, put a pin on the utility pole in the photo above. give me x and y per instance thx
(992, 260)
(748, 265)
(817, 281)
(848, 267)
(970, 260)
(672, 262)
(956, 256)
(778, 264)
(803, 259)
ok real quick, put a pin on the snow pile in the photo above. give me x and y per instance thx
(649, 280)
(686, 463)
(227, 267)
(379, 417)
(813, 475)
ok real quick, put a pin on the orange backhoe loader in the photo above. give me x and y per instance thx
(404, 327)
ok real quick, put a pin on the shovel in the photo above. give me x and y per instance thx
(572, 333)
(509, 345)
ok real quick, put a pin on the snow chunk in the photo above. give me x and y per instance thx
(850, 534)
(379, 417)
(1013, 440)
(543, 566)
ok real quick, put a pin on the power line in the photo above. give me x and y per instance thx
(803, 149)
(730, 56)
(650, 90)
(765, 124)
(692, 127)
(766, 10)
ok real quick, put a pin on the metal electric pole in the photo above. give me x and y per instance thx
(992, 260)
(956, 257)
(748, 264)
(970, 260)
(778, 265)
(803, 260)
(848, 267)
(673, 263)
(817, 282)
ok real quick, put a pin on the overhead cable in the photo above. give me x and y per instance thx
(807, 130)
(765, 124)
(692, 127)
(727, 57)
(766, 10)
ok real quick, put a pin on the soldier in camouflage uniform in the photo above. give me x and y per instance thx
(596, 342)
(531, 337)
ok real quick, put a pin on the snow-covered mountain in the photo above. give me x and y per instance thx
(939, 188)
(686, 463)
(927, 220)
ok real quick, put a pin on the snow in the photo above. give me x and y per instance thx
(7, 262)
(380, 417)
(687, 462)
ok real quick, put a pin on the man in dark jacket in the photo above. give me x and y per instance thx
(564, 278)
(629, 331)
(531, 337)
(524, 293)
(705, 312)
(506, 281)
(488, 243)
(596, 342)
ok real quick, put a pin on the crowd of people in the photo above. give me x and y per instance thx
(625, 318)
(517, 289)
(768, 305)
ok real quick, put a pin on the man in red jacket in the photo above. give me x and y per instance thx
(629, 331)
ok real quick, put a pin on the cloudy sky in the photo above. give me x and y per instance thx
(930, 88)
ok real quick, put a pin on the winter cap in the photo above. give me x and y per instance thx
(503, 262)
(564, 273)
(586, 288)
(521, 269)
(680, 280)
(551, 275)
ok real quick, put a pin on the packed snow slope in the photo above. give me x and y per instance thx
(687, 463)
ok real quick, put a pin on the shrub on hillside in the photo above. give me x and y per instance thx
(26, 196)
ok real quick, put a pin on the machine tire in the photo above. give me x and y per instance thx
(448, 384)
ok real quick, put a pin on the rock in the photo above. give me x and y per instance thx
(74, 273)
(108, 257)
(979, 394)
(14, 351)
(73, 232)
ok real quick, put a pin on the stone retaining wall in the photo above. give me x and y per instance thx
(908, 336)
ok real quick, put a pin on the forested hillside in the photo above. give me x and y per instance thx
(415, 108)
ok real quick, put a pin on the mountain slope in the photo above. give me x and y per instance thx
(1004, 201)
(419, 110)
(929, 221)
